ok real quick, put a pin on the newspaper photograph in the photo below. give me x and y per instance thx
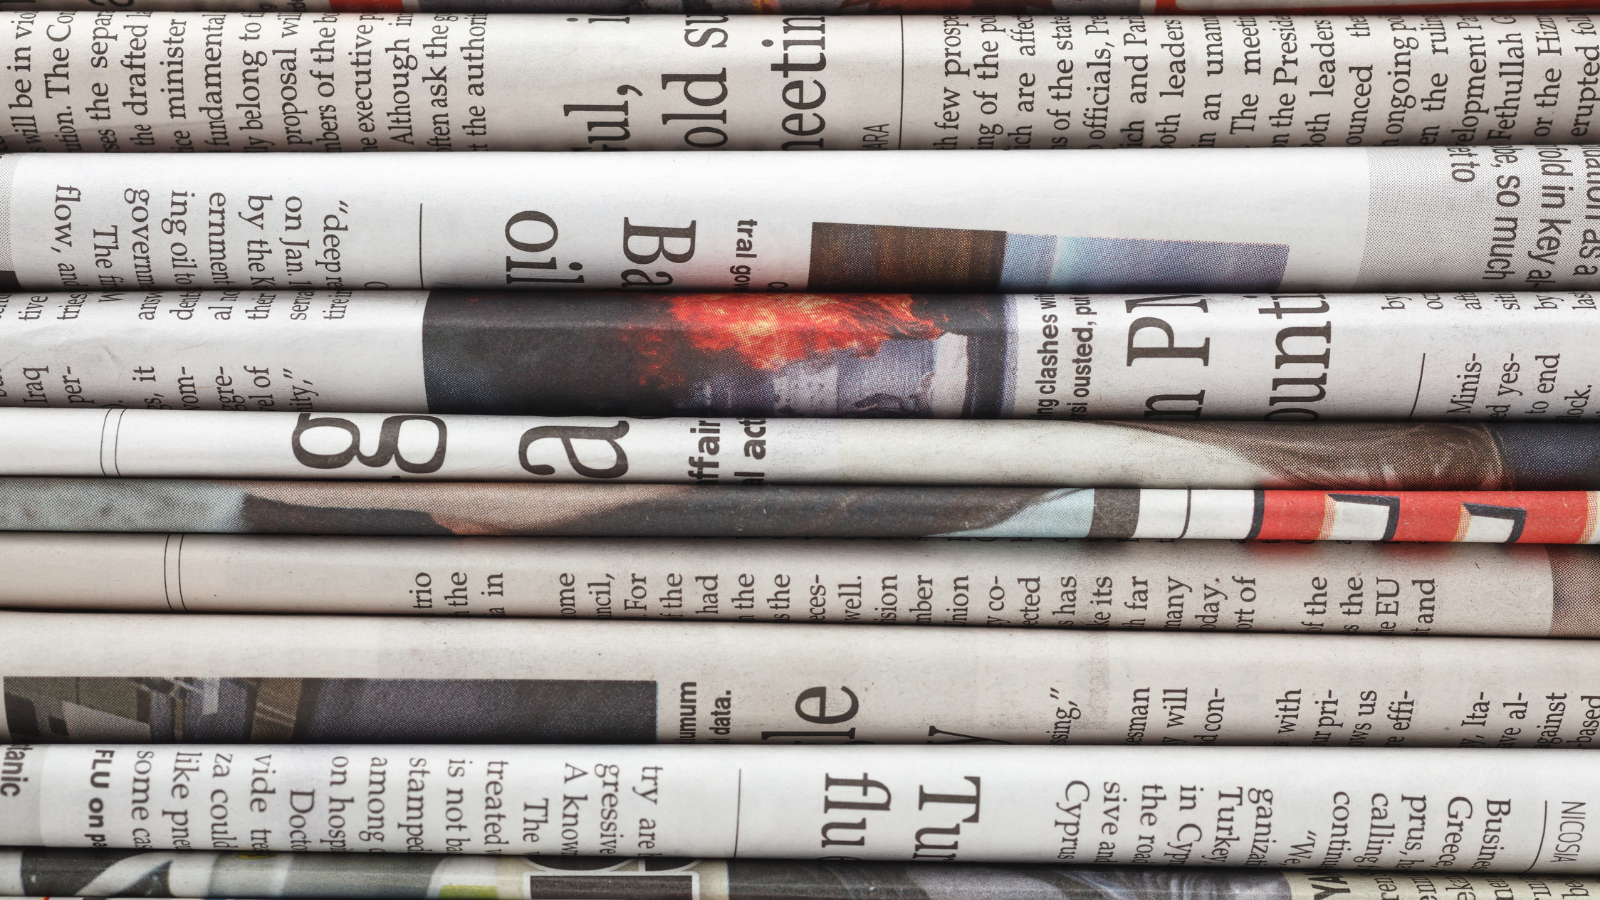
(317, 876)
(880, 511)
(1438, 811)
(1444, 218)
(1289, 358)
(207, 679)
(122, 443)
(1328, 587)
(442, 81)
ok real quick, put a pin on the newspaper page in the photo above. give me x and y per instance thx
(754, 451)
(1251, 220)
(1328, 587)
(623, 9)
(876, 511)
(311, 876)
(1427, 810)
(1169, 358)
(293, 81)
(152, 679)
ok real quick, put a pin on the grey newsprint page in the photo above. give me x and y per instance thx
(156, 679)
(305, 876)
(1456, 218)
(143, 81)
(1324, 587)
(1437, 811)
(151, 443)
(1162, 358)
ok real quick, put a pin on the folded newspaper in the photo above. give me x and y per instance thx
(1252, 220)
(1425, 810)
(622, 10)
(310, 876)
(690, 510)
(755, 451)
(152, 679)
(197, 82)
(1330, 587)
(1163, 357)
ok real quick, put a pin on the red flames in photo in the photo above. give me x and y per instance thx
(949, 7)
(769, 331)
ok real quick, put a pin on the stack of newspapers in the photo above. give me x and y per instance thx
(394, 503)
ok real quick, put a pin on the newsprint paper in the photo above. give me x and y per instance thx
(877, 511)
(153, 679)
(1326, 587)
(196, 82)
(752, 451)
(1250, 220)
(1310, 808)
(308, 876)
(1495, 356)
(707, 9)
